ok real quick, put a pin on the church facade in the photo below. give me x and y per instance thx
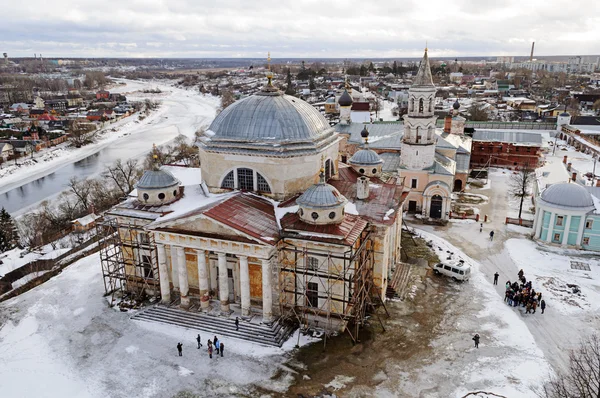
(273, 225)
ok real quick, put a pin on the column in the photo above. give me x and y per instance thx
(174, 275)
(266, 292)
(202, 278)
(183, 278)
(580, 230)
(550, 227)
(223, 284)
(245, 285)
(565, 238)
(538, 221)
(163, 273)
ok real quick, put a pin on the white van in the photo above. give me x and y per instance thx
(458, 271)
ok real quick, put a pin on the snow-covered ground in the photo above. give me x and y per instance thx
(181, 112)
(63, 335)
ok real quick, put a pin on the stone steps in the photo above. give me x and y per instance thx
(271, 335)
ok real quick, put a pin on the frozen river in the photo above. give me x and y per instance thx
(182, 112)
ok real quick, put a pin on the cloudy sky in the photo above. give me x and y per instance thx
(301, 28)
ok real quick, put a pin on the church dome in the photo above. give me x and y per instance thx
(157, 187)
(565, 195)
(321, 195)
(365, 157)
(345, 99)
(270, 123)
(156, 179)
(321, 204)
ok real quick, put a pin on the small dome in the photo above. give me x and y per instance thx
(365, 157)
(456, 105)
(345, 99)
(564, 114)
(364, 133)
(321, 195)
(567, 195)
(156, 179)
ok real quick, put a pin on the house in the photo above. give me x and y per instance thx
(102, 94)
(20, 107)
(6, 151)
(568, 214)
(85, 223)
(511, 149)
(37, 113)
(59, 105)
(94, 116)
(21, 147)
(10, 122)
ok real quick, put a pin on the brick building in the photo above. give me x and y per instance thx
(510, 149)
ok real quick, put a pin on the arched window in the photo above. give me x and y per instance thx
(421, 105)
(261, 184)
(245, 179)
(412, 105)
(418, 138)
(329, 172)
(430, 105)
(228, 181)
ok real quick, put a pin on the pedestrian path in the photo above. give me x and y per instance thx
(271, 335)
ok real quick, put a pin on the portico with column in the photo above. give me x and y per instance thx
(224, 250)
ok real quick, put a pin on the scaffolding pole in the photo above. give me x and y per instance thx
(129, 261)
(335, 287)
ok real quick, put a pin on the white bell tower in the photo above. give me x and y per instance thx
(418, 144)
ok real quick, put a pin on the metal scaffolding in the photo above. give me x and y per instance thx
(129, 261)
(323, 284)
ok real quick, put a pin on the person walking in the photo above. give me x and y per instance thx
(528, 308)
(476, 340)
(521, 273)
(480, 227)
(496, 275)
(543, 305)
(221, 348)
(237, 323)
(534, 305)
(491, 235)
(210, 350)
(180, 349)
(218, 346)
(199, 341)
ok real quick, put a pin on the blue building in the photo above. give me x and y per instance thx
(568, 214)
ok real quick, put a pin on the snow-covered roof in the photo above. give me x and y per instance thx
(513, 137)
(567, 196)
(187, 175)
(86, 220)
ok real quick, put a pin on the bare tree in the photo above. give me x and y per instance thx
(478, 114)
(123, 175)
(81, 133)
(227, 98)
(82, 190)
(520, 184)
(582, 378)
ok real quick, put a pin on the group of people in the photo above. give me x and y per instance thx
(522, 293)
(214, 345)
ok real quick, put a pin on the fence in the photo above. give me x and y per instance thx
(519, 221)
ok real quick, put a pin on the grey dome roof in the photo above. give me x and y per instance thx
(567, 195)
(564, 114)
(345, 99)
(456, 104)
(365, 157)
(156, 179)
(321, 195)
(270, 123)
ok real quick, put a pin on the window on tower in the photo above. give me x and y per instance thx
(421, 105)
(430, 105)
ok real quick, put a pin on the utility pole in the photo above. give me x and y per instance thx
(555, 139)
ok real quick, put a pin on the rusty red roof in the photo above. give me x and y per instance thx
(346, 232)
(382, 197)
(249, 214)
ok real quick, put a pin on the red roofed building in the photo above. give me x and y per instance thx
(280, 230)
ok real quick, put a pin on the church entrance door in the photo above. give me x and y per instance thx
(412, 206)
(435, 211)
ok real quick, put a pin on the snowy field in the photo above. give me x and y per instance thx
(64, 335)
(181, 112)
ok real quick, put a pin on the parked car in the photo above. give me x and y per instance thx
(458, 271)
